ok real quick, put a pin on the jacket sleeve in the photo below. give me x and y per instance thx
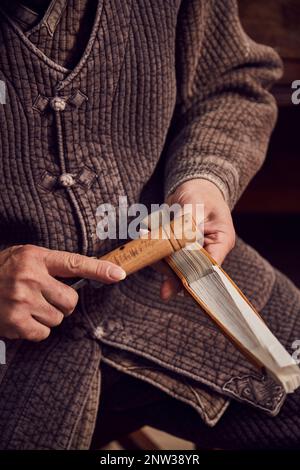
(224, 112)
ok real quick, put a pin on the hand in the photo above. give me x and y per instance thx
(31, 299)
(219, 234)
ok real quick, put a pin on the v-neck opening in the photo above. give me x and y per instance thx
(70, 73)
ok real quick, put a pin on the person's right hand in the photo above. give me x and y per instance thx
(31, 299)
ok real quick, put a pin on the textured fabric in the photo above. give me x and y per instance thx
(52, 40)
(119, 132)
(45, 392)
(210, 405)
(82, 435)
(171, 88)
(241, 427)
(220, 74)
(179, 337)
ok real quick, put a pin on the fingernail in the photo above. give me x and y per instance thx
(116, 274)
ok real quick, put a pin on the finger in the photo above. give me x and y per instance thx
(5, 254)
(219, 244)
(61, 296)
(32, 330)
(65, 264)
(170, 288)
(47, 314)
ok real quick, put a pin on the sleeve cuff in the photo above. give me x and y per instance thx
(214, 169)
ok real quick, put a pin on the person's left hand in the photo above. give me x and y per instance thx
(218, 229)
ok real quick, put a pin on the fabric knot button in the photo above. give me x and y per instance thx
(66, 180)
(57, 103)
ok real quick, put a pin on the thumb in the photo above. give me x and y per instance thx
(65, 264)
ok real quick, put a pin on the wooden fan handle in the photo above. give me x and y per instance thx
(154, 246)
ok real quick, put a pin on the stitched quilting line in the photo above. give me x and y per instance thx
(70, 74)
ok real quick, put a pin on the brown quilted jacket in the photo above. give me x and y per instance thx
(162, 91)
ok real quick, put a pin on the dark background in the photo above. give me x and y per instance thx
(268, 214)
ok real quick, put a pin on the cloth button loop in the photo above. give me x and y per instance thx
(59, 103)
